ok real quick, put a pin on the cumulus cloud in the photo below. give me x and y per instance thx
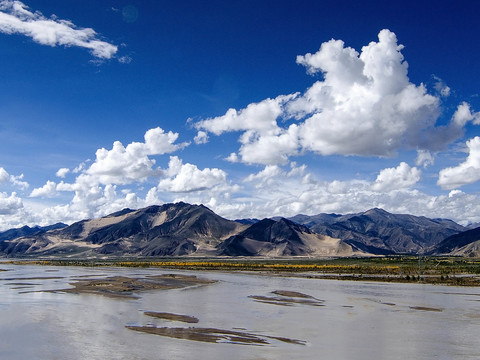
(188, 177)
(95, 191)
(274, 175)
(465, 173)
(273, 192)
(4, 177)
(263, 141)
(16, 18)
(15, 180)
(61, 173)
(18, 181)
(424, 158)
(365, 105)
(124, 165)
(260, 117)
(464, 114)
(269, 173)
(9, 204)
(47, 190)
(401, 177)
(201, 138)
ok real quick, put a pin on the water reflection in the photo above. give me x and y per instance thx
(356, 320)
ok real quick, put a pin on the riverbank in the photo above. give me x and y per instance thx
(454, 271)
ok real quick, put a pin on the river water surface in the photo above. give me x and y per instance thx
(348, 320)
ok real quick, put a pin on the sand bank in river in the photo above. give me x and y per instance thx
(173, 317)
(126, 287)
(212, 335)
(288, 298)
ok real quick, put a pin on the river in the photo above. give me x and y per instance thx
(337, 320)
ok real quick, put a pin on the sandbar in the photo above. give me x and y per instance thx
(212, 335)
(288, 298)
(127, 288)
(173, 317)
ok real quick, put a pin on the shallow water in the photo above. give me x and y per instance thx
(357, 320)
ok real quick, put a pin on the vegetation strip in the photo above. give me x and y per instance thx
(433, 270)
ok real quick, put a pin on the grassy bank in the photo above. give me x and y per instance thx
(435, 270)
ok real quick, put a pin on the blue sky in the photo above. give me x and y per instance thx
(253, 108)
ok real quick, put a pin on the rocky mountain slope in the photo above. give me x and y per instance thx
(183, 229)
(466, 243)
(380, 232)
(28, 231)
(283, 238)
(170, 229)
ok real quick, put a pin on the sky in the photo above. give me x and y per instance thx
(253, 108)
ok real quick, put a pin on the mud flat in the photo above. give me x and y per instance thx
(173, 317)
(425, 308)
(212, 335)
(128, 288)
(288, 298)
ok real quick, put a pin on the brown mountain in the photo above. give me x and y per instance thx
(171, 229)
(466, 243)
(269, 237)
(379, 232)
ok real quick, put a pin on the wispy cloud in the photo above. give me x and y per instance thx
(16, 18)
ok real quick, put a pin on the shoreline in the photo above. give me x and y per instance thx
(400, 269)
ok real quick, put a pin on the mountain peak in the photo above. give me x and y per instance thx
(376, 211)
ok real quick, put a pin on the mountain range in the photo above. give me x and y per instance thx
(182, 229)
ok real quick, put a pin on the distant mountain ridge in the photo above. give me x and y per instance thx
(283, 238)
(27, 231)
(466, 243)
(166, 230)
(380, 232)
(194, 230)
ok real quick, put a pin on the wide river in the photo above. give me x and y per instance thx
(346, 320)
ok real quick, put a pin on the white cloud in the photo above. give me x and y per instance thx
(401, 177)
(465, 173)
(61, 173)
(259, 117)
(95, 187)
(9, 204)
(288, 196)
(365, 105)
(188, 177)
(16, 18)
(18, 181)
(15, 180)
(233, 158)
(201, 138)
(47, 190)
(124, 165)
(424, 158)
(263, 141)
(4, 177)
(80, 167)
(441, 87)
(269, 172)
(270, 148)
(463, 114)
(125, 59)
